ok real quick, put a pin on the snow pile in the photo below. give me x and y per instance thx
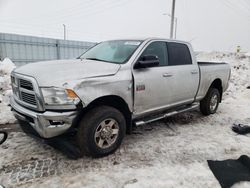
(247, 54)
(6, 66)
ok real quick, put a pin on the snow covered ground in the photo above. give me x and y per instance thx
(167, 153)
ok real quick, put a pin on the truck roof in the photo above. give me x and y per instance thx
(151, 38)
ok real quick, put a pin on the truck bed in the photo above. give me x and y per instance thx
(210, 71)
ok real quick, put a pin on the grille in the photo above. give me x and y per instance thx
(28, 98)
(26, 84)
(24, 91)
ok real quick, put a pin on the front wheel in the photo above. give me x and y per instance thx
(210, 103)
(101, 131)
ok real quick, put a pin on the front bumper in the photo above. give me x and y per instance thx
(47, 124)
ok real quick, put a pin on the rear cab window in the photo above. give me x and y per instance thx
(178, 54)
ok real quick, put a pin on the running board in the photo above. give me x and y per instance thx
(162, 116)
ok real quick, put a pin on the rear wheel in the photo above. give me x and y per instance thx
(210, 103)
(101, 131)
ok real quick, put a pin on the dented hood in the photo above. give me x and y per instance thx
(58, 72)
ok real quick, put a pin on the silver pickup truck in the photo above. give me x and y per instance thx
(112, 87)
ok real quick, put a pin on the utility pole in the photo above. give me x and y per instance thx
(175, 23)
(172, 20)
(175, 29)
(64, 31)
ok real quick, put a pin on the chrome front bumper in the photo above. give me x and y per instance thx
(47, 124)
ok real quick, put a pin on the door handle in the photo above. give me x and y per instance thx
(166, 75)
(194, 72)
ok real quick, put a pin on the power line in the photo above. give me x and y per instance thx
(235, 9)
(235, 6)
(94, 11)
(246, 2)
(46, 29)
(83, 12)
(246, 5)
(239, 2)
(56, 12)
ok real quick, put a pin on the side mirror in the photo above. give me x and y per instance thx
(147, 61)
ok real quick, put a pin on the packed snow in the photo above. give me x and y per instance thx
(247, 54)
(167, 153)
(6, 66)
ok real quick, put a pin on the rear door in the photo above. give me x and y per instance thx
(183, 81)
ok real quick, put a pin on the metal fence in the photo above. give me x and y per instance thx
(26, 49)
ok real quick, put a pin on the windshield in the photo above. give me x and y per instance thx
(118, 51)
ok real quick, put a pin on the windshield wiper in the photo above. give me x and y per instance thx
(96, 59)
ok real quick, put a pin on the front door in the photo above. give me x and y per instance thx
(150, 89)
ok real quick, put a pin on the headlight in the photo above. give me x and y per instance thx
(57, 96)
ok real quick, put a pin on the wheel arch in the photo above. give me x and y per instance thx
(217, 83)
(113, 101)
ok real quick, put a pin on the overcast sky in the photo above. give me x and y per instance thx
(207, 24)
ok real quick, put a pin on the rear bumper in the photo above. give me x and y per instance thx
(47, 124)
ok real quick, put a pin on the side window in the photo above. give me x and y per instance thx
(178, 54)
(158, 49)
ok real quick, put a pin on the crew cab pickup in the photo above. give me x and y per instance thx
(112, 87)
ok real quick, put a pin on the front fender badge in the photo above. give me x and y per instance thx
(140, 87)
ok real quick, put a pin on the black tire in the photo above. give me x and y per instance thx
(88, 127)
(205, 106)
